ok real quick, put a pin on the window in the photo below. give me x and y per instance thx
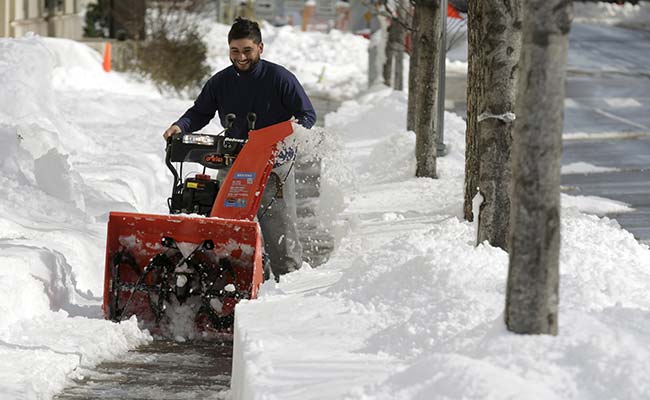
(53, 6)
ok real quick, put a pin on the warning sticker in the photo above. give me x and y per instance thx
(240, 190)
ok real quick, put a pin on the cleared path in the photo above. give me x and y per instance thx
(161, 370)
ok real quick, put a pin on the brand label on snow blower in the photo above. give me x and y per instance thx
(240, 189)
(245, 175)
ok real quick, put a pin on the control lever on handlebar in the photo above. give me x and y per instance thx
(168, 156)
(230, 120)
(251, 117)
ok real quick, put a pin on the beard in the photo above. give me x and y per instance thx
(251, 63)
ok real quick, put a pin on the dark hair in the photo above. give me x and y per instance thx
(244, 28)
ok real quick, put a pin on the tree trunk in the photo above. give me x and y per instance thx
(398, 82)
(387, 71)
(498, 59)
(474, 43)
(533, 278)
(411, 116)
(426, 21)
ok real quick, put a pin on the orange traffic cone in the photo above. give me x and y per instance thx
(107, 57)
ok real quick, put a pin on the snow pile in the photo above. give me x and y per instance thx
(595, 205)
(627, 14)
(79, 67)
(34, 150)
(51, 233)
(585, 168)
(409, 308)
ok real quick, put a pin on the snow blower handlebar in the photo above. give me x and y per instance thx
(239, 193)
(216, 152)
(211, 151)
(195, 195)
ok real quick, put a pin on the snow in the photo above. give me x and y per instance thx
(595, 205)
(407, 307)
(585, 168)
(633, 15)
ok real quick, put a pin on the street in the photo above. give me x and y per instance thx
(606, 120)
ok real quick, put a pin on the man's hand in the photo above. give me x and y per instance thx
(172, 130)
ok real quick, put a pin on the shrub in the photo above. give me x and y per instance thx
(173, 61)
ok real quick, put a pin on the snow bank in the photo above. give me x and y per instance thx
(28, 105)
(627, 14)
(585, 168)
(594, 204)
(79, 67)
(51, 234)
(409, 308)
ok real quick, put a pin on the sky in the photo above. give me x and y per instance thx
(407, 307)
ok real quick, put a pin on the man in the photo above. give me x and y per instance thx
(253, 85)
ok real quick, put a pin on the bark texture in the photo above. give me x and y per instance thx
(398, 82)
(387, 71)
(494, 39)
(393, 68)
(498, 60)
(426, 21)
(533, 279)
(411, 116)
(474, 43)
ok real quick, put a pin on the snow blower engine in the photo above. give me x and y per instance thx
(174, 269)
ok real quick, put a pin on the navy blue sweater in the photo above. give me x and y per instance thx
(269, 90)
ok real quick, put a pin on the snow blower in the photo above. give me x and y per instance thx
(166, 268)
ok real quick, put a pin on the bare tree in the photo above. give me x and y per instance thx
(495, 42)
(423, 83)
(533, 279)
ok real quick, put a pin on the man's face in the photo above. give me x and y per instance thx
(244, 53)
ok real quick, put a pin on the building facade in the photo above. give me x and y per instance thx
(58, 18)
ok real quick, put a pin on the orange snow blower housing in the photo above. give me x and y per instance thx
(164, 268)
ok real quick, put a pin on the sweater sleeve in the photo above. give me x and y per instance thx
(203, 110)
(296, 101)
